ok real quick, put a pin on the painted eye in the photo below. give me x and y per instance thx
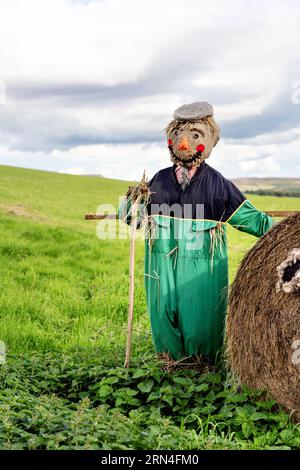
(176, 133)
(196, 136)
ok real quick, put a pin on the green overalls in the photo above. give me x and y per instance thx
(186, 275)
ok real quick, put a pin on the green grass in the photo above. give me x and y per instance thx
(62, 290)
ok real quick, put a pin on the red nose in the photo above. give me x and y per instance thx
(184, 145)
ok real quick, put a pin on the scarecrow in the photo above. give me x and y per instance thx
(186, 212)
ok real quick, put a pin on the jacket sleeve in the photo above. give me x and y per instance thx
(244, 216)
(125, 210)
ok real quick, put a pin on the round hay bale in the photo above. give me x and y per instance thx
(263, 322)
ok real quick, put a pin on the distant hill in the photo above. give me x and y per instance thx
(270, 186)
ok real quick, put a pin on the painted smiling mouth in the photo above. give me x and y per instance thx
(192, 159)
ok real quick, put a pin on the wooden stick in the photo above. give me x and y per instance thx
(115, 216)
(282, 213)
(131, 282)
(100, 216)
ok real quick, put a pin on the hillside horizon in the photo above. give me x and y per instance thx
(267, 185)
(99, 175)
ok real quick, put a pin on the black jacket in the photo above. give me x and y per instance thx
(217, 198)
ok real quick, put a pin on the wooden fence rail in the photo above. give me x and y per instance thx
(115, 216)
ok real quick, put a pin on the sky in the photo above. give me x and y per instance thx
(87, 87)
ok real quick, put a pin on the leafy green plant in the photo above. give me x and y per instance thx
(64, 401)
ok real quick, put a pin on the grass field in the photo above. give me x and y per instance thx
(63, 318)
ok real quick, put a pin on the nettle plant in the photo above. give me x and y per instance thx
(70, 401)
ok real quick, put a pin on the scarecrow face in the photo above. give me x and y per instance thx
(189, 143)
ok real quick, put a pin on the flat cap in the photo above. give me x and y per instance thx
(193, 111)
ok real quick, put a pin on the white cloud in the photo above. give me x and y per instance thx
(128, 161)
(265, 165)
(91, 84)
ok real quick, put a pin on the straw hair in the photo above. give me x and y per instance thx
(263, 322)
